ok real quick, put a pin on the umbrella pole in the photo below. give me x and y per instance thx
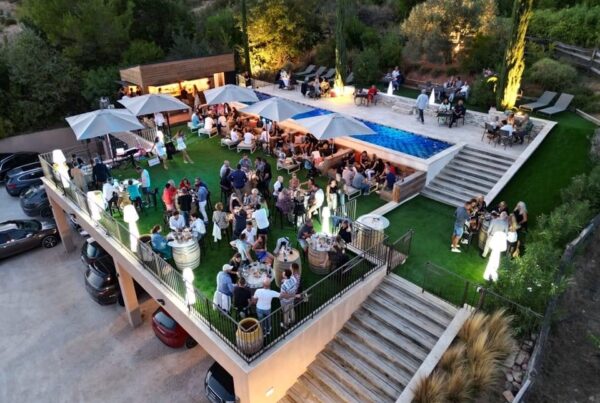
(168, 125)
(110, 153)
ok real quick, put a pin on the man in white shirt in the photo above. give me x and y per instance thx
(422, 101)
(277, 186)
(509, 128)
(262, 221)
(159, 119)
(176, 222)
(197, 227)
(262, 298)
(250, 233)
(464, 90)
(209, 123)
(110, 196)
(221, 123)
(248, 137)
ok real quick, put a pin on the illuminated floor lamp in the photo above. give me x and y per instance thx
(190, 293)
(60, 165)
(325, 219)
(130, 216)
(95, 202)
(497, 246)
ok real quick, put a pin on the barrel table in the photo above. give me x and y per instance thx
(186, 254)
(319, 246)
(284, 261)
(372, 232)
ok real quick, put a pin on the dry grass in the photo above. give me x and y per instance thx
(453, 358)
(500, 332)
(473, 327)
(430, 389)
(484, 372)
(459, 386)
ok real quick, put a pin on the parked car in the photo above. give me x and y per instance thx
(218, 385)
(23, 168)
(15, 160)
(34, 202)
(91, 251)
(102, 284)
(169, 331)
(19, 183)
(17, 236)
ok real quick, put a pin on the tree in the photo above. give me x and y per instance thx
(221, 31)
(89, 32)
(277, 33)
(440, 29)
(245, 40)
(157, 20)
(340, 43)
(514, 56)
(366, 67)
(141, 52)
(43, 86)
(186, 47)
(100, 82)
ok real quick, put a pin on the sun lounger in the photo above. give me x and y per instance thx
(229, 144)
(329, 75)
(541, 102)
(561, 105)
(349, 79)
(306, 71)
(319, 72)
(246, 147)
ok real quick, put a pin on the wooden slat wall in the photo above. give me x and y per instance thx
(170, 72)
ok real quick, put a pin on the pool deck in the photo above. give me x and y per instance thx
(468, 134)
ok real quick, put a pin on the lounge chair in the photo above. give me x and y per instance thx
(541, 102)
(561, 105)
(227, 142)
(319, 72)
(349, 79)
(306, 71)
(329, 75)
(246, 147)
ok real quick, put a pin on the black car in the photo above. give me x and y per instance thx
(218, 385)
(34, 202)
(23, 168)
(20, 182)
(102, 284)
(101, 281)
(15, 160)
(17, 236)
(91, 251)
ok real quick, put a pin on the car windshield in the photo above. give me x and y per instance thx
(165, 320)
(4, 238)
(94, 279)
(31, 225)
(31, 191)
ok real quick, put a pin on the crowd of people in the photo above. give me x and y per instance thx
(501, 226)
(516, 129)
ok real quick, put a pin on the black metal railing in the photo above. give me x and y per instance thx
(399, 250)
(372, 255)
(459, 291)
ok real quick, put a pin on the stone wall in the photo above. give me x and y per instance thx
(41, 142)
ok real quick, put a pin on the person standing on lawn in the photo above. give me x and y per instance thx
(422, 101)
(461, 216)
(180, 138)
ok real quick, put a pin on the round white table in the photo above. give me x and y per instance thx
(186, 254)
(255, 274)
(375, 221)
(367, 238)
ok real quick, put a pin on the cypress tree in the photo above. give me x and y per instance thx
(340, 43)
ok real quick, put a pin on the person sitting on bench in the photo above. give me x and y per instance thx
(458, 112)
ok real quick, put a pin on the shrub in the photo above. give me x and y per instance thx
(141, 52)
(366, 67)
(452, 71)
(483, 51)
(552, 74)
(484, 372)
(436, 72)
(100, 82)
(483, 92)
(430, 389)
(500, 336)
(472, 327)
(578, 25)
(391, 51)
(453, 358)
(325, 53)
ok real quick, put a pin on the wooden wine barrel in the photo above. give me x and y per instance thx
(186, 254)
(483, 235)
(281, 264)
(318, 261)
(249, 336)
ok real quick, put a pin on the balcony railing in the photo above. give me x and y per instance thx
(371, 244)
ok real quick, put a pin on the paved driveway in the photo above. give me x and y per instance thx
(58, 345)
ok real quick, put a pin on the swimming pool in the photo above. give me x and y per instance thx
(388, 137)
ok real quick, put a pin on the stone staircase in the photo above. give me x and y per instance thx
(380, 349)
(471, 172)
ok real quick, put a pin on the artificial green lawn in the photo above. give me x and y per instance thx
(208, 156)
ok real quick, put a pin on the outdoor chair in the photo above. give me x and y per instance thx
(229, 144)
(306, 71)
(561, 105)
(490, 131)
(193, 129)
(541, 102)
(319, 72)
(505, 138)
(349, 79)
(246, 147)
(329, 75)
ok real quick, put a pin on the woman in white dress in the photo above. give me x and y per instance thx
(161, 151)
(180, 145)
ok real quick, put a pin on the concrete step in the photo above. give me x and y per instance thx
(458, 194)
(494, 154)
(450, 173)
(442, 197)
(448, 309)
(468, 166)
(375, 355)
(453, 183)
(491, 166)
(469, 173)
(486, 156)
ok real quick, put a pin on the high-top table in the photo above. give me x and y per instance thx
(283, 261)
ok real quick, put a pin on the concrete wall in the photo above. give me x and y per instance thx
(440, 160)
(42, 141)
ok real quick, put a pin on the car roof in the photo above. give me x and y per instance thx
(14, 224)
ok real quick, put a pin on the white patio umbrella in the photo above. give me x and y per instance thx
(102, 122)
(333, 125)
(276, 109)
(153, 103)
(229, 93)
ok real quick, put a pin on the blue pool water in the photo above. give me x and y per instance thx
(388, 137)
